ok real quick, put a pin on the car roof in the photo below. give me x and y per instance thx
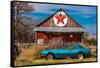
(71, 44)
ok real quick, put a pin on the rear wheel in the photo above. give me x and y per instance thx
(80, 56)
(50, 57)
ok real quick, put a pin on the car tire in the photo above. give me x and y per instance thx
(80, 56)
(50, 56)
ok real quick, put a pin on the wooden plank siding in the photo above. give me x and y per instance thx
(50, 23)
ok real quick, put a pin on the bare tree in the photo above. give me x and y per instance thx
(21, 7)
(90, 39)
(23, 30)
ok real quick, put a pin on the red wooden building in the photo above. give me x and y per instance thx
(59, 26)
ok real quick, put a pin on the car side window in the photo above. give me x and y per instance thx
(70, 47)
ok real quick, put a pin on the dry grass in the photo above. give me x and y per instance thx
(93, 50)
(29, 54)
(45, 62)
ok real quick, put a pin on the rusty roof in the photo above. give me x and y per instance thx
(59, 29)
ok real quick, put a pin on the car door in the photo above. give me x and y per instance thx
(62, 53)
(66, 52)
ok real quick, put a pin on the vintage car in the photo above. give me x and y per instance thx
(70, 50)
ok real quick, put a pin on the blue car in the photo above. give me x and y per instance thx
(70, 50)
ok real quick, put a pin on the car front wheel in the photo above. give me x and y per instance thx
(50, 57)
(80, 56)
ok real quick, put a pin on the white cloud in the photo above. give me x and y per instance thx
(47, 8)
(87, 16)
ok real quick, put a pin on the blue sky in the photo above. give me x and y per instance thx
(84, 15)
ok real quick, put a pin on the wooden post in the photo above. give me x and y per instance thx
(82, 38)
(35, 37)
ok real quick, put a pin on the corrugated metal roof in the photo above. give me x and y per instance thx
(59, 29)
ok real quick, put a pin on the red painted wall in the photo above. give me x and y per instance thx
(41, 35)
(76, 37)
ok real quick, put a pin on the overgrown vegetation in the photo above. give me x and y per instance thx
(31, 56)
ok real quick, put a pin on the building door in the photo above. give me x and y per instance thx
(56, 41)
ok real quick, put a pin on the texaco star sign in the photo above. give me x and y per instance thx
(60, 19)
